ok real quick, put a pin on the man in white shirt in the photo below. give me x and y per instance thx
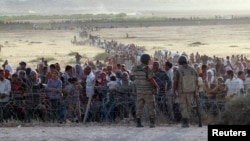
(5, 89)
(109, 72)
(90, 81)
(232, 85)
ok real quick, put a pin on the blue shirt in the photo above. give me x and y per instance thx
(57, 84)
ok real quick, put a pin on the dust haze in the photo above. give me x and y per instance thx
(137, 7)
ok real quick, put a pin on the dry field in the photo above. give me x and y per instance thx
(54, 45)
(220, 40)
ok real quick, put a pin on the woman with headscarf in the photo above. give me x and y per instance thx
(211, 84)
(34, 82)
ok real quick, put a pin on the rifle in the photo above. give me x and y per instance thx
(198, 109)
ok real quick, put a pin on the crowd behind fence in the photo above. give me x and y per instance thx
(29, 99)
(34, 104)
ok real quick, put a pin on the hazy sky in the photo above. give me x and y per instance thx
(83, 6)
(196, 4)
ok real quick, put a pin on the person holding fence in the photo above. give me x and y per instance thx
(72, 93)
(164, 82)
(126, 90)
(54, 89)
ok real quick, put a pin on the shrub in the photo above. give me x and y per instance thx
(195, 44)
(102, 56)
(39, 58)
(72, 53)
(237, 111)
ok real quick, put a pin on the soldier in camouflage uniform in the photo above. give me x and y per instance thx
(185, 88)
(143, 82)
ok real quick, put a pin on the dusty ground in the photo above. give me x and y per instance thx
(31, 45)
(218, 40)
(103, 133)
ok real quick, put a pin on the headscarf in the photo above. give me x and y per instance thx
(209, 82)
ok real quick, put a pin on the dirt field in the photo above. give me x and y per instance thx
(225, 38)
(217, 40)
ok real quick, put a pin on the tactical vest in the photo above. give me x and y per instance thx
(187, 79)
(141, 74)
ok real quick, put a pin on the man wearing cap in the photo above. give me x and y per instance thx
(144, 86)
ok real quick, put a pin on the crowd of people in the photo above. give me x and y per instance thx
(120, 88)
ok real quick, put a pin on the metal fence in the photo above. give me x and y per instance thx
(105, 107)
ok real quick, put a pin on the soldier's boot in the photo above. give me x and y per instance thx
(152, 122)
(185, 123)
(138, 121)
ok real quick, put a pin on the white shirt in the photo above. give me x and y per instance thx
(9, 68)
(241, 83)
(90, 84)
(233, 86)
(112, 85)
(226, 63)
(5, 88)
(170, 73)
(210, 62)
(108, 76)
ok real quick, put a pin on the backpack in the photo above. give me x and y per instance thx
(187, 80)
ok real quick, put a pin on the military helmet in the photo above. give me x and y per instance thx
(182, 59)
(145, 57)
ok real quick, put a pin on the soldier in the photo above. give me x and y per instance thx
(185, 85)
(144, 83)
